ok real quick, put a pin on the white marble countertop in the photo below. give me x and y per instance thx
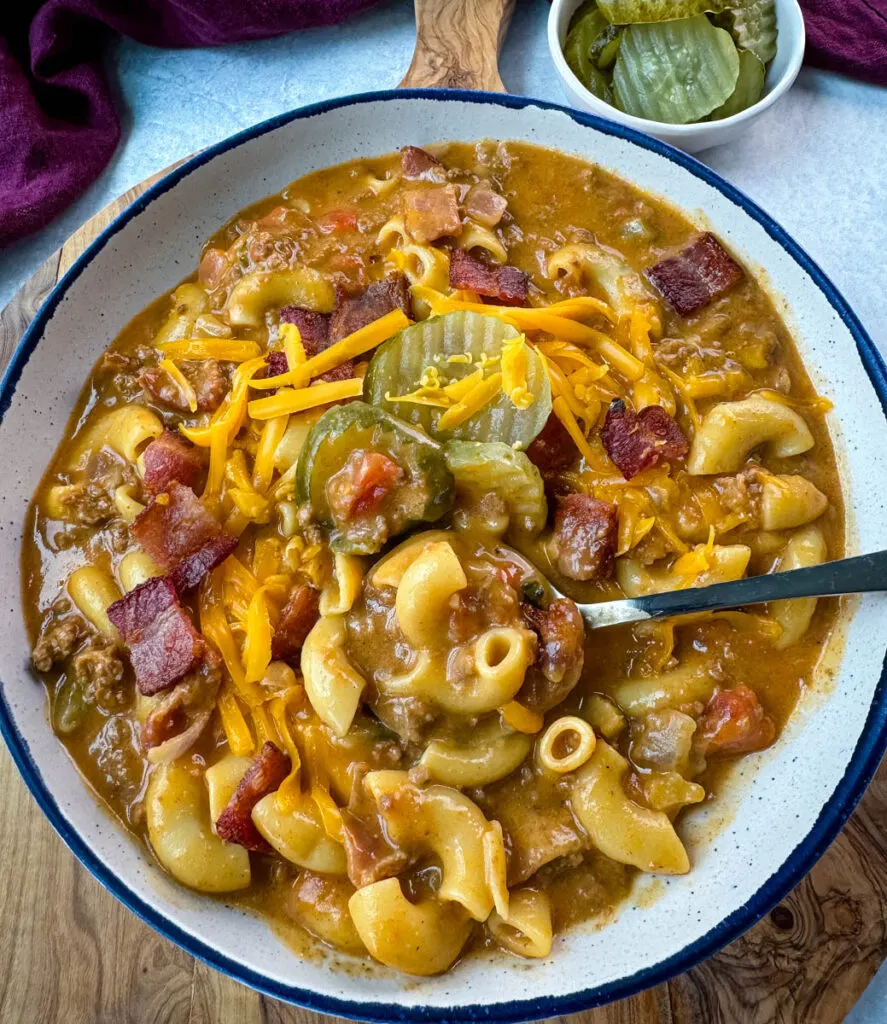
(816, 162)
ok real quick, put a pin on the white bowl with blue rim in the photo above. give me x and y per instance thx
(779, 810)
(692, 138)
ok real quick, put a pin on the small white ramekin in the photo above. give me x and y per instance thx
(692, 138)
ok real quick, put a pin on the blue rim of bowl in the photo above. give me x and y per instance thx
(862, 765)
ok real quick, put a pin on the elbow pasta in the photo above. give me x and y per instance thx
(731, 430)
(442, 821)
(93, 591)
(807, 547)
(476, 236)
(332, 683)
(417, 938)
(257, 292)
(526, 928)
(177, 810)
(417, 750)
(576, 740)
(620, 828)
(126, 429)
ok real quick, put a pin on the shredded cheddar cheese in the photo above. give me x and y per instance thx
(236, 730)
(289, 400)
(564, 414)
(263, 467)
(479, 396)
(227, 350)
(291, 339)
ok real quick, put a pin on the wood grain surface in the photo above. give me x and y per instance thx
(458, 43)
(71, 954)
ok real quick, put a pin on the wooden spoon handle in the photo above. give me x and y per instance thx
(458, 43)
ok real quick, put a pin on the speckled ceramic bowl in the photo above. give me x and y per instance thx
(781, 809)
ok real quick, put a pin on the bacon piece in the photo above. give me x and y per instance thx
(553, 449)
(297, 618)
(314, 330)
(637, 441)
(173, 529)
(169, 460)
(362, 484)
(734, 722)
(191, 570)
(697, 275)
(182, 537)
(561, 653)
(485, 206)
(369, 854)
(186, 704)
(505, 284)
(163, 643)
(355, 311)
(235, 824)
(585, 532)
(431, 213)
(416, 164)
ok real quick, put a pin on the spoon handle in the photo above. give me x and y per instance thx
(857, 575)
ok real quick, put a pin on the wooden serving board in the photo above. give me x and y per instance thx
(71, 954)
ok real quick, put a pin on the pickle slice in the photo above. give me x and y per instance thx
(423, 495)
(753, 26)
(454, 346)
(632, 12)
(587, 41)
(675, 72)
(481, 469)
(749, 87)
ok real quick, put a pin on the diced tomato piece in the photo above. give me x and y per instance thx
(334, 221)
(362, 484)
(734, 722)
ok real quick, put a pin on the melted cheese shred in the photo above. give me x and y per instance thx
(225, 350)
(290, 400)
(350, 347)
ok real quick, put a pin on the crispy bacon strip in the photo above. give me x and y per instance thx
(552, 452)
(182, 537)
(733, 723)
(697, 275)
(416, 164)
(162, 641)
(297, 619)
(505, 284)
(191, 570)
(637, 441)
(235, 824)
(585, 532)
(355, 311)
(169, 460)
(314, 329)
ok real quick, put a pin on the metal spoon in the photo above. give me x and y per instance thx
(858, 575)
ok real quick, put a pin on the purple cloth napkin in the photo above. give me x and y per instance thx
(58, 124)
(849, 36)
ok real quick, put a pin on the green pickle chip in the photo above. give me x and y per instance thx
(590, 35)
(633, 12)
(753, 26)
(749, 87)
(675, 71)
